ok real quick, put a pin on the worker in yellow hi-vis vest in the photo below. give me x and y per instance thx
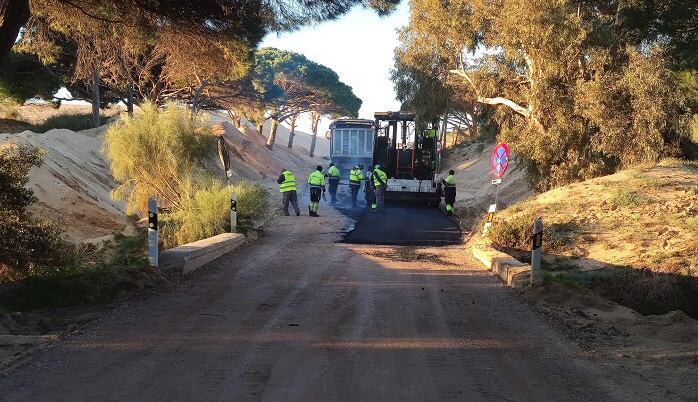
(449, 184)
(380, 185)
(356, 176)
(316, 180)
(333, 175)
(287, 186)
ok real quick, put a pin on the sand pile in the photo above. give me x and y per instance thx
(74, 182)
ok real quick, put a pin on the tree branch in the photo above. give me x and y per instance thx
(496, 101)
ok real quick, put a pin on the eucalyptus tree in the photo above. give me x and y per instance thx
(578, 89)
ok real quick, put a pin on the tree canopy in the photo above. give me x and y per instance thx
(578, 89)
(157, 49)
(289, 84)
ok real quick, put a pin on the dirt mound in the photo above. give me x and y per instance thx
(655, 346)
(74, 182)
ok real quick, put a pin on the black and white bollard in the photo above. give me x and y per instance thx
(537, 240)
(233, 212)
(490, 219)
(153, 232)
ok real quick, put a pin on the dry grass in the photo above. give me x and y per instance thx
(645, 218)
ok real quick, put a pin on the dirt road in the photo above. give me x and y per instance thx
(299, 316)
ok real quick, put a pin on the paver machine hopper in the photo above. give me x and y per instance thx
(408, 156)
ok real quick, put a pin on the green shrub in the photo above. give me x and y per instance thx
(177, 148)
(8, 110)
(650, 292)
(253, 205)
(514, 232)
(207, 213)
(74, 122)
(87, 275)
(692, 224)
(26, 245)
(628, 198)
(158, 153)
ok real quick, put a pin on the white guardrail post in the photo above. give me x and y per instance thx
(537, 240)
(233, 211)
(153, 232)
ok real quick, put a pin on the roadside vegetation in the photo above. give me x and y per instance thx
(73, 122)
(631, 236)
(577, 90)
(169, 154)
(12, 120)
(40, 270)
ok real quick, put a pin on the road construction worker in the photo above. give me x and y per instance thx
(380, 184)
(317, 188)
(287, 186)
(333, 174)
(356, 176)
(449, 184)
(369, 191)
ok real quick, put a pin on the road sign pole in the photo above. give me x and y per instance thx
(233, 211)
(153, 232)
(496, 193)
(499, 160)
(537, 240)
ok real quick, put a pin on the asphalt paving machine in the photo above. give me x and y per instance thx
(408, 156)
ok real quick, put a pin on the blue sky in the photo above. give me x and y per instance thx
(359, 47)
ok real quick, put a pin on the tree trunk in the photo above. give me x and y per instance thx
(95, 98)
(315, 120)
(197, 98)
(129, 100)
(444, 129)
(235, 118)
(292, 130)
(272, 133)
(14, 13)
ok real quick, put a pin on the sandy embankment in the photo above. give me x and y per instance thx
(73, 185)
